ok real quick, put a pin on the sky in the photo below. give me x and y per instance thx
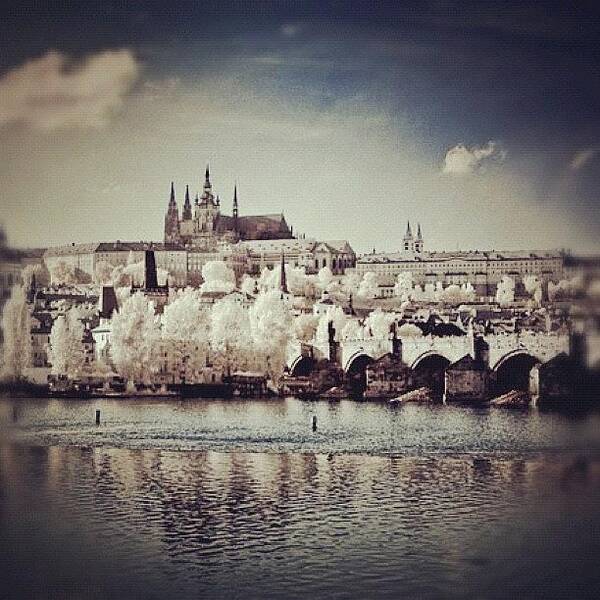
(479, 120)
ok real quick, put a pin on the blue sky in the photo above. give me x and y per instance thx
(480, 120)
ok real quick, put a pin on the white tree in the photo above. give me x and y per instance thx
(351, 282)
(369, 286)
(305, 327)
(248, 284)
(270, 279)
(230, 336)
(378, 323)
(325, 277)
(453, 294)
(353, 330)
(505, 291)
(335, 315)
(134, 339)
(218, 277)
(185, 334)
(16, 328)
(404, 286)
(66, 352)
(272, 327)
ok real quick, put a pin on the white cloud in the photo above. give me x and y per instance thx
(49, 93)
(582, 158)
(291, 29)
(461, 160)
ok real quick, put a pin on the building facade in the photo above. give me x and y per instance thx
(309, 254)
(483, 269)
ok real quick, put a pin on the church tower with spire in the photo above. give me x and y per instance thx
(207, 210)
(408, 241)
(412, 243)
(419, 240)
(172, 219)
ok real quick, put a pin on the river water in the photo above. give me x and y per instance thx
(242, 499)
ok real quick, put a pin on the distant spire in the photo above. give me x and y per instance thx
(187, 206)
(408, 230)
(419, 235)
(207, 178)
(235, 202)
(172, 203)
(282, 277)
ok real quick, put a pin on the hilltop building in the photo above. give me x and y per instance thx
(204, 225)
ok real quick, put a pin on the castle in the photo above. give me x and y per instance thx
(204, 226)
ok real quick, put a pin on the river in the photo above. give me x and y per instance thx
(242, 499)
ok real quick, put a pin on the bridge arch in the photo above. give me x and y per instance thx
(429, 370)
(356, 372)
(511, 372)
(512, 354)
(428, 356)
(302, 365)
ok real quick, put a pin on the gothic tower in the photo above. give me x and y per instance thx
(419, 240)
(187, 206)
(172, 219)
(408, 243)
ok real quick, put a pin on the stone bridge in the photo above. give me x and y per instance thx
(501, 347)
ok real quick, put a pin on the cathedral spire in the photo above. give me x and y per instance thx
(419, 235)
(235, 202)
(172, 202)
(207, 184)
(187, 206)
(408, 233)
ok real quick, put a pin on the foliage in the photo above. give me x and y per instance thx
(134, 339)
(218, 277)
(66, 353)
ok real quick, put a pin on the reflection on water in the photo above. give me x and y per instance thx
(97, 521)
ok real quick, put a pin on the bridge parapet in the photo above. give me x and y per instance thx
(373, 347)
(452, 348)
(542, 346)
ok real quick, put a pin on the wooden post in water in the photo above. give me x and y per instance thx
(314, 423)
(97, 416)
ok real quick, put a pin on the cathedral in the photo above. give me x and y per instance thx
(203, 226)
